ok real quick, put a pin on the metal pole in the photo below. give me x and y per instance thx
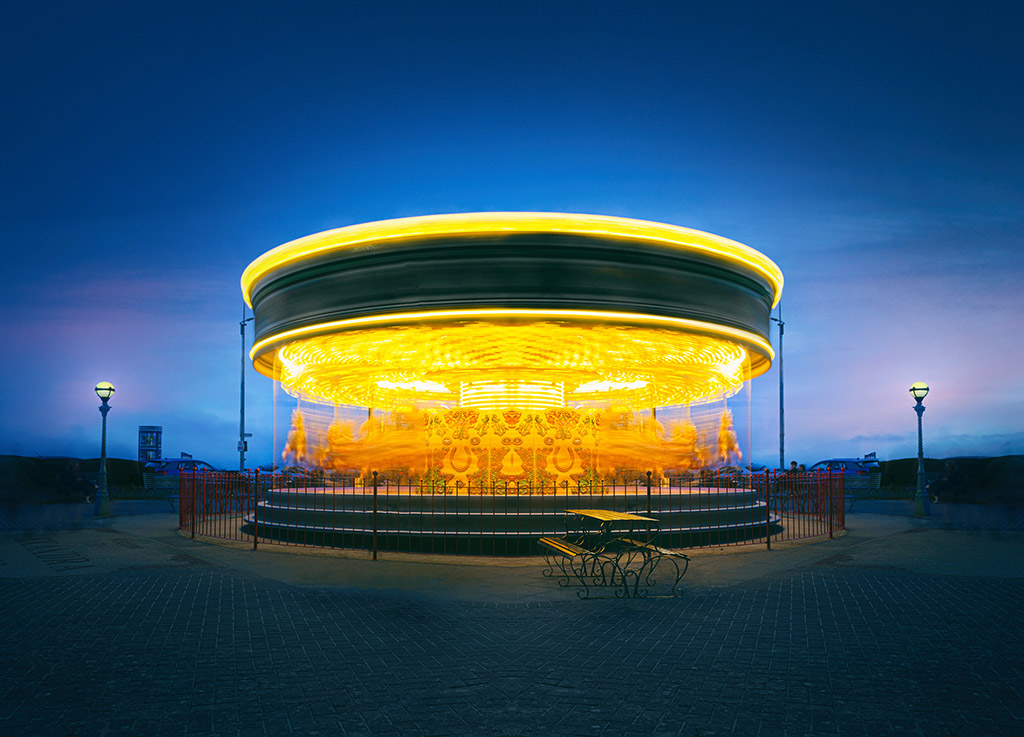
(782, 395)
(649, 503)
(241, 401)
(767, 509)
(102, 506)
(649, 492)
(921, 506)
(375, 515)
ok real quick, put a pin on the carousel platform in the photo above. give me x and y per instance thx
(499, 524)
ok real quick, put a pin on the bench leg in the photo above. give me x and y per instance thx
(654, 566)
(602, 571)
(671, 568)
(591, 571)
(569, 568)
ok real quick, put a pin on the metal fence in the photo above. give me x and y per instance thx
(320, 510)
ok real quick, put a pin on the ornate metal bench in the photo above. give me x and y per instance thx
(632, 568)
(645, 576)
(586, 568)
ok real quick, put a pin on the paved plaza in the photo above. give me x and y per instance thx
(124, 626)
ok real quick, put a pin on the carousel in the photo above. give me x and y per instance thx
(483, 371)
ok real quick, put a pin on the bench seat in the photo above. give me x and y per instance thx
(656, 549)
(563, 547)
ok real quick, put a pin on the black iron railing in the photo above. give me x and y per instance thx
(504, 518)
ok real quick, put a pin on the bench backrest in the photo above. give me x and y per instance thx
(152, 481)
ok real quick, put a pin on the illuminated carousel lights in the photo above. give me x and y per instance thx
(657, 367)
(524, 348)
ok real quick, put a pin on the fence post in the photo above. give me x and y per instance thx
(831, 504)
(256, 511)
(374, 543)
(648, 524)
(768, 508)
(193, 504)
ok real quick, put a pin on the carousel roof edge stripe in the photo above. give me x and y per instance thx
(457, 224)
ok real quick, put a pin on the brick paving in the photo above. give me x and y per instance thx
(177, 643)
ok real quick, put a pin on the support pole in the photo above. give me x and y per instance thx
(374, 544)
(242, 443)
(782, 395)
(102, 506)
(649, 475)
(921, 506)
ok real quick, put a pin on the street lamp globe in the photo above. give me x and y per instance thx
(919, 390)
(104, 390)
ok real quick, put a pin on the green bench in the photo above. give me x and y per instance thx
(162, 486)
(861, 487)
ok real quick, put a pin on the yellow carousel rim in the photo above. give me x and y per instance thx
(475, 223)
(721, 331)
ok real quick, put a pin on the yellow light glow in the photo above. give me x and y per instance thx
(397, 230)
(498, 315)
(415, 386)
(532, 365)
(605, 386)
(491, 395)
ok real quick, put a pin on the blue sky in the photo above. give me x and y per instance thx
(874, 152)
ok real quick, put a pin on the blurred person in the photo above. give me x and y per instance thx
(948, 486)
(75, 485)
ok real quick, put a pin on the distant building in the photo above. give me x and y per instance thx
(150, 442)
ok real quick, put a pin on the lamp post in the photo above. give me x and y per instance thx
(919, 390)
(104, 390)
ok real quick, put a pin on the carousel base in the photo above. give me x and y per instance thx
(499, 524)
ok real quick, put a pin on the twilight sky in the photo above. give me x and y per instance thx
(872, 149)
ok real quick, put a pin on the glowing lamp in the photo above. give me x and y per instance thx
(919, 390)
(104, 390)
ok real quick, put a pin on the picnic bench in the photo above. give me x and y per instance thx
(576, 563)
(602, 550)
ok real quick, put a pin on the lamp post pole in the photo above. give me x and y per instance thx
(104, 390)
(919, 391)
